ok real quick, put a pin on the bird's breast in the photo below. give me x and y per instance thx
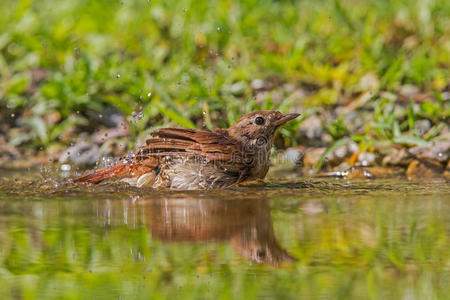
(260, 166)
(194, 175)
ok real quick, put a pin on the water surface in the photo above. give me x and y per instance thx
(297, 237)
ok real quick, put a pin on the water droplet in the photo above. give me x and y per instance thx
(204, 112)
(134, 198)
(149, 94)
(65, 168)
(137, 116)
(117, 75)
(219, 28)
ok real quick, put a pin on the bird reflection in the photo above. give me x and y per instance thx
(246, 224)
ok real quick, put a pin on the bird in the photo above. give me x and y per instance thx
(199, 159)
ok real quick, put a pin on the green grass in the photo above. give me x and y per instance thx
(62, 63)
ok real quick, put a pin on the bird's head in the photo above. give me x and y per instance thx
(259, 128)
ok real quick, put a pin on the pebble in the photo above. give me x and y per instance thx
(422, 126)
(312, 156)
(294, 155)
(366, 159)
(238, 88)
(438, 151)
(424, 169)
(258, 84)
(311, 128)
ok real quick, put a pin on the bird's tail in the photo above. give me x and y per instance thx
(113, 171)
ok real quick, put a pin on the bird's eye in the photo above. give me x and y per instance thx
(259, 121)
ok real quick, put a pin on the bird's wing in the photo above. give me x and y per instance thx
(211, 145)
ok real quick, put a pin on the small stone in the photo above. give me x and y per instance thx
(297, 95)
(366, 159)
(446, 173)
(424, 169)
(409, 90)
(340, 152)
(353, 147)
(312, 156)
(366, 172)
(438, 151)
(294, 155)
(326, 138)
(238, 88)
(311, 128)
(289, 87)
(369, 82)
(422, 126)
(359, 173)
(262, 96)
(257, 84)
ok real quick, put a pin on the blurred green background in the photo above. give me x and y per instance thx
(67, 66)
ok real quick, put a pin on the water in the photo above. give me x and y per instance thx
(297, 237)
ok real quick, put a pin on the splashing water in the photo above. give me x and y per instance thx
(137, 116)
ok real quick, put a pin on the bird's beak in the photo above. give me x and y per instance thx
(286, 118)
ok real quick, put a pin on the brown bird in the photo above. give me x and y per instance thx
(192, 159)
